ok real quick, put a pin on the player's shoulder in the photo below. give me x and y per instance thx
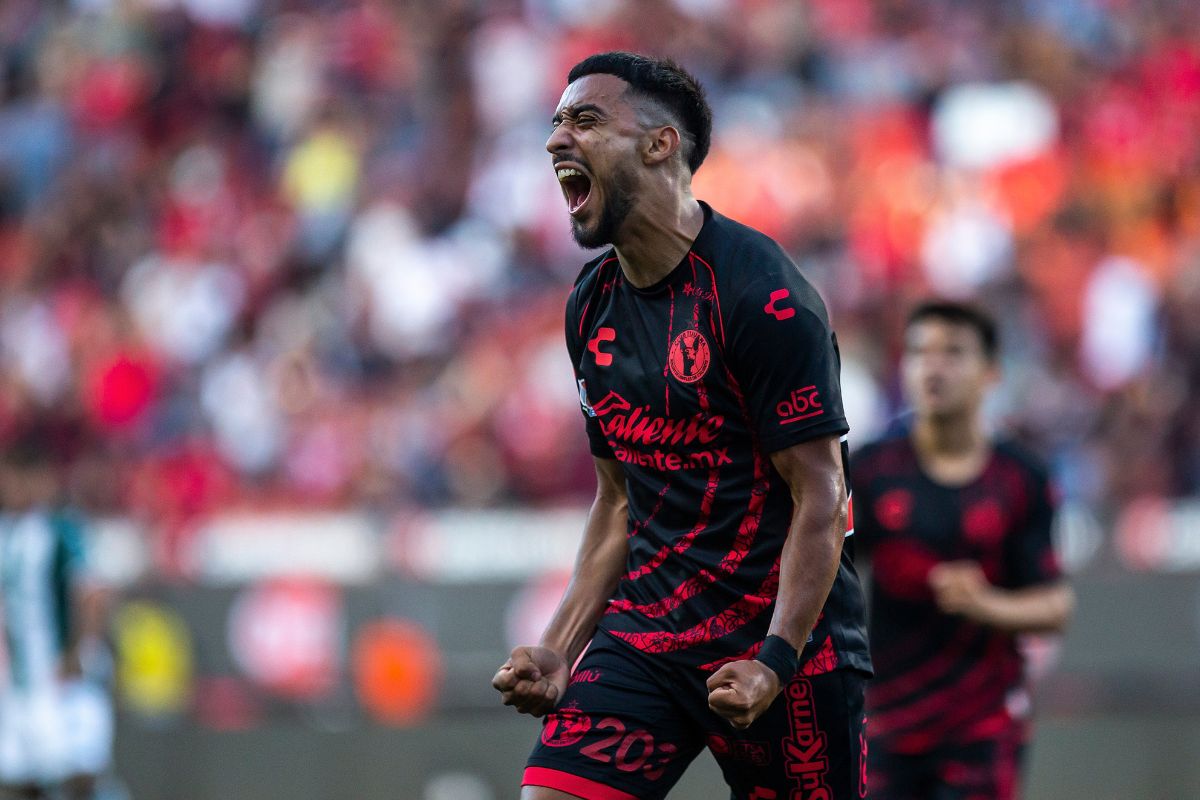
(1021, 458)
(745, 254)
(750, 266)
(588, 281)
(591, 270)
(891, 452)
(732, 237)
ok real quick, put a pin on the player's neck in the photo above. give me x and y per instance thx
(656, 237)
(952, 450)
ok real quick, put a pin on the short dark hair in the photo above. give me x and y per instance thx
(965, 314)
(666, 83)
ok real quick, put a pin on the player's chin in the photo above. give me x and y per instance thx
(587, 234)
(945, 410)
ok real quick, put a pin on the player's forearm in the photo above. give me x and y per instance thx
(1039, 609)
(598, 567)
(809, 562)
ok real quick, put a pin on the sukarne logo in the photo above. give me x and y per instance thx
(804, 752)
(800, 404)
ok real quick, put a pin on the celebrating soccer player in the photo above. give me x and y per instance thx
(958, 527)
(714, 601)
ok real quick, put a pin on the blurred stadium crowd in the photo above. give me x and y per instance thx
(269, 253)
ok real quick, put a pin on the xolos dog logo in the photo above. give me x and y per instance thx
(689, 356)
(801, 404)
(565, 727)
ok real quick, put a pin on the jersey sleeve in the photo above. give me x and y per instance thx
(785, 359)
(865, 526)
(597, 441)
(1030, 554)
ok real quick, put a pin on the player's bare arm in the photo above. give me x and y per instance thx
(960, 587)
(742, 690)
(534, 677)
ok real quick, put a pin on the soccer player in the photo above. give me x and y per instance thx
(55, 722)
(957, 524)
(714, 602)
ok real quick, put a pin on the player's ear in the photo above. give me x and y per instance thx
(661, 143)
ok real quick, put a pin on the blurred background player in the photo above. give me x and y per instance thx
(55, 717)
(957, 522)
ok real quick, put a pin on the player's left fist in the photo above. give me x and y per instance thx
(741, 691)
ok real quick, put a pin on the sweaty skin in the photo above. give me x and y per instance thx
(742, 690)
(534, 678)
(597, 130)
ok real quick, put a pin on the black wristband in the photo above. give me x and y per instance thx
(778, 654)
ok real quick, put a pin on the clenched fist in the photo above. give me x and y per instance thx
(532, 680)
(742, 690)
(960, 587)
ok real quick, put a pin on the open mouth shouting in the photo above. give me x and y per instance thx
(576, 185)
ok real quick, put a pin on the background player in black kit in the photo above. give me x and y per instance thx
(958, 527)
(713, 553)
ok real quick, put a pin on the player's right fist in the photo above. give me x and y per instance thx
(532, 680)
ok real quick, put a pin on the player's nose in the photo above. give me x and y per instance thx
(560, 140)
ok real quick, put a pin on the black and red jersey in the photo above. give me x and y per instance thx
(690, 384)
(941, 679)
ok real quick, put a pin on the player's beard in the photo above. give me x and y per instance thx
(618, 202)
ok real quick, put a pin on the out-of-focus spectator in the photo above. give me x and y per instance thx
(317, 258)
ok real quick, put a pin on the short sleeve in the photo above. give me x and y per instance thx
(865, 526)
(597, 441)
(1030, 554)
(786, 361)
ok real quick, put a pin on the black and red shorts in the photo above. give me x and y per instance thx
(629, 725)
(988, 769)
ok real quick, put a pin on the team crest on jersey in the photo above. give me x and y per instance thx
(565, 726)
(689, 356)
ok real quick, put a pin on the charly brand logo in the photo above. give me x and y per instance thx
(801, 404)
(689, 356)
(586, 676)
(772, 306)
(603, 335)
